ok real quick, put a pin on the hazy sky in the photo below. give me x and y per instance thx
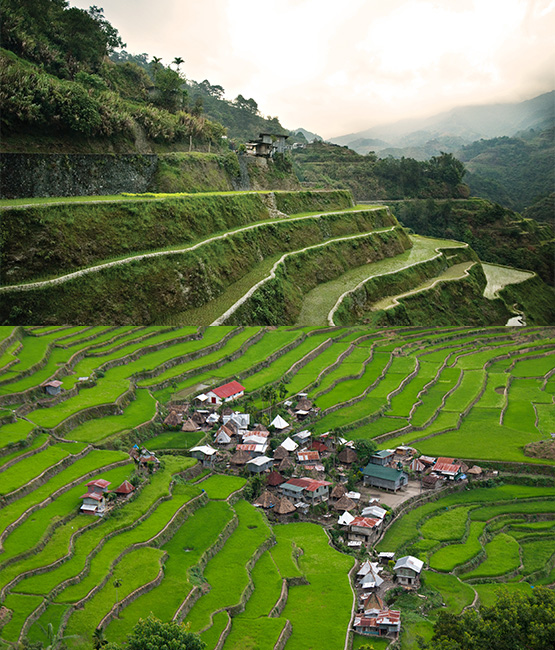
(344, 66)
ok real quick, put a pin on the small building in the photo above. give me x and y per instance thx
(308, 457)
(226, 393)
(382, 457)
(450, 471)
(284, 507)
(347, 456)
(94, 501)
(254, 449)
(417, 466)
(344, 504)
(385, 556)
(280, 453)
(364, 529)
(260, 464)
(374, 511)
(307, 490)
(240, 458)
(386, 478)
(173, 420)
(53, 387)
(302, 437)
(223, 435)
(266, 500)
(274, 479)
(289, 445)
(385, 623)
(279, 423)
(205, 453)
(190, 426)
(125, 489)
(338, 491)
(345, 519)
(407, 570)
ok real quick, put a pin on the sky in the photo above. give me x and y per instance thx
(344, 66)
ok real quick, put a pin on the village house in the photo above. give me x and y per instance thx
(279, 423)
(94, 501)
(125, 489)
(363, 529)
(386, 478)
(407, 570)
(267, 145)
(253, 449)
(307, 457)
(382, 457)
(205, 453)
(260, 464)
(53, 387)
(308, 490)
(226, 393)
(385, 623)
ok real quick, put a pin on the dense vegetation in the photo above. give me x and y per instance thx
(515, 172)
(370, 178)
(497, 234)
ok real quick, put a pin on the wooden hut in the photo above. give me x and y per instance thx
(190, 425)
(347, 456)
(344, 504)
(338, 491)
(284, 507)
(240, 458)
(173, 420)
(266, 500)
(275, 479)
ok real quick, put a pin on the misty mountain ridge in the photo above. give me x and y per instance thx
(450, 130)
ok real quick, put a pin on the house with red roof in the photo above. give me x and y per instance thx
(225, 393)
(94, 501)
(386, 622)
(363, 529)
(307, 490)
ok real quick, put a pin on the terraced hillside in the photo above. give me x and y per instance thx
(190, 534)
(254, 258)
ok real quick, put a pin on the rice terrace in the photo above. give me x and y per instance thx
(299, 487)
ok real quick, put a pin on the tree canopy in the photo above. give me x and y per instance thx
(516, 622)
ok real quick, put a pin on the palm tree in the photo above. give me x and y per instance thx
(117, 583)
(54, 638)
(98, 638)
(178, 61)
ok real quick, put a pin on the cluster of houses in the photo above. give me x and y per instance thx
(95, 499)
(373, 618)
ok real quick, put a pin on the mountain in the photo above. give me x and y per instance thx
(463, 124)
(310, 137)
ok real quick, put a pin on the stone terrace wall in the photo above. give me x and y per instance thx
(42, 175)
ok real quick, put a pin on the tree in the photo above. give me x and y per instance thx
(269, 395)
(99, 640)
(365, 449)
(55, 637)
(151, 633)
(282, 389)
(178, 61)
(117, 584)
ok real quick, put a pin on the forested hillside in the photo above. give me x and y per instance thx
(515, 172)
(369, 178)
(61, 91)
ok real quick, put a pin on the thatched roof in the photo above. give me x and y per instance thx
(345, 504)
(266, 500)
(198, 418)
(286, 463)
(284, 507)
(303, 404)
(174, 419)
(280, 453)
(227, 410)
(189, 425)
(347, 456)
(475, 470)
(240, 458)
(275, 479)
(338, 491)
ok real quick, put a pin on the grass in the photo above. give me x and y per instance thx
(175, 440)
(502, 557)
(22, 606)
(29, 468)
(456, 594)
(140, 410)
(487, 592)
(184, 549)
(14, 432)
(226, 572)
(537, 554)
(327, 598)
(446, 526)
(449, 557)
(220, 486)
(135, 569)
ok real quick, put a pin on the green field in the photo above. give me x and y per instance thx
(442, 388)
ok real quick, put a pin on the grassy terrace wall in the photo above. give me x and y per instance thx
(146, 291)
(458, 301)
(279, 300)
(44, 240)
(356, 305)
